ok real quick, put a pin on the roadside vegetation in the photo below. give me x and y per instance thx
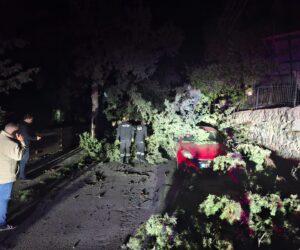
(259, 212)
(259, 215)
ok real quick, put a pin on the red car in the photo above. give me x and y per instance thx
(199, 155)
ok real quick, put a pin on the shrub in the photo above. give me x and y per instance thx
(264, 215)
(255, 153)
(269, 213)
(226, 162)
(157, 233)
(111, 151)
(25, 195)
(229, 210)
(91, 146)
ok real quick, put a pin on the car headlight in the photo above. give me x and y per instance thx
(187, 154)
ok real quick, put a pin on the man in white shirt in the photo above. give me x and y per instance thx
(12, 148)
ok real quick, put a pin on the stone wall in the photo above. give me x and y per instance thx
(277, 129)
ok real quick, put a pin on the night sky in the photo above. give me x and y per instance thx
(49, 28)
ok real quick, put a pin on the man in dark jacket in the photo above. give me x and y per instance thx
(140, 137)
(24, 129)
(125, 134)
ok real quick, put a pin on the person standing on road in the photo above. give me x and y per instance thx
(140, 137)
(12, 148)
(125, 134)
(25, 131)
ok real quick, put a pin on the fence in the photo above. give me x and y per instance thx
(56, 140)
(274, 95)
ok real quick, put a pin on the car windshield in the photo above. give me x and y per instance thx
(188, 138)
(213, 137)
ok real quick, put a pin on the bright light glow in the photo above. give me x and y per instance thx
(249, 91)
(58, 116)
(187, 154)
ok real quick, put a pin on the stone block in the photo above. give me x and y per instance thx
(296, 125)
(277, 129)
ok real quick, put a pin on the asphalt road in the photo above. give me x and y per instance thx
(98, 210)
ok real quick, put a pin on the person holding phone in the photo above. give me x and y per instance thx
(12, 148)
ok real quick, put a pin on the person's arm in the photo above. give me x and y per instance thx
(33, 137)
(24, 131)
(145, 133)
(15, 150)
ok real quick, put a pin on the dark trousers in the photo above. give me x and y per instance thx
(23, 163)
(140, 150)
(125, 149)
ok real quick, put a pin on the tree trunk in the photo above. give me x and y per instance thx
(95, 108)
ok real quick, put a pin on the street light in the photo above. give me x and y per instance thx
(249, 91)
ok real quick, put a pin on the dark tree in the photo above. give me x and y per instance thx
(232, 64)
(12, 73)
(124, 44)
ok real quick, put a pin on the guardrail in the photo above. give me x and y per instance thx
(55, 140)
(19, 210)
(273, 95)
